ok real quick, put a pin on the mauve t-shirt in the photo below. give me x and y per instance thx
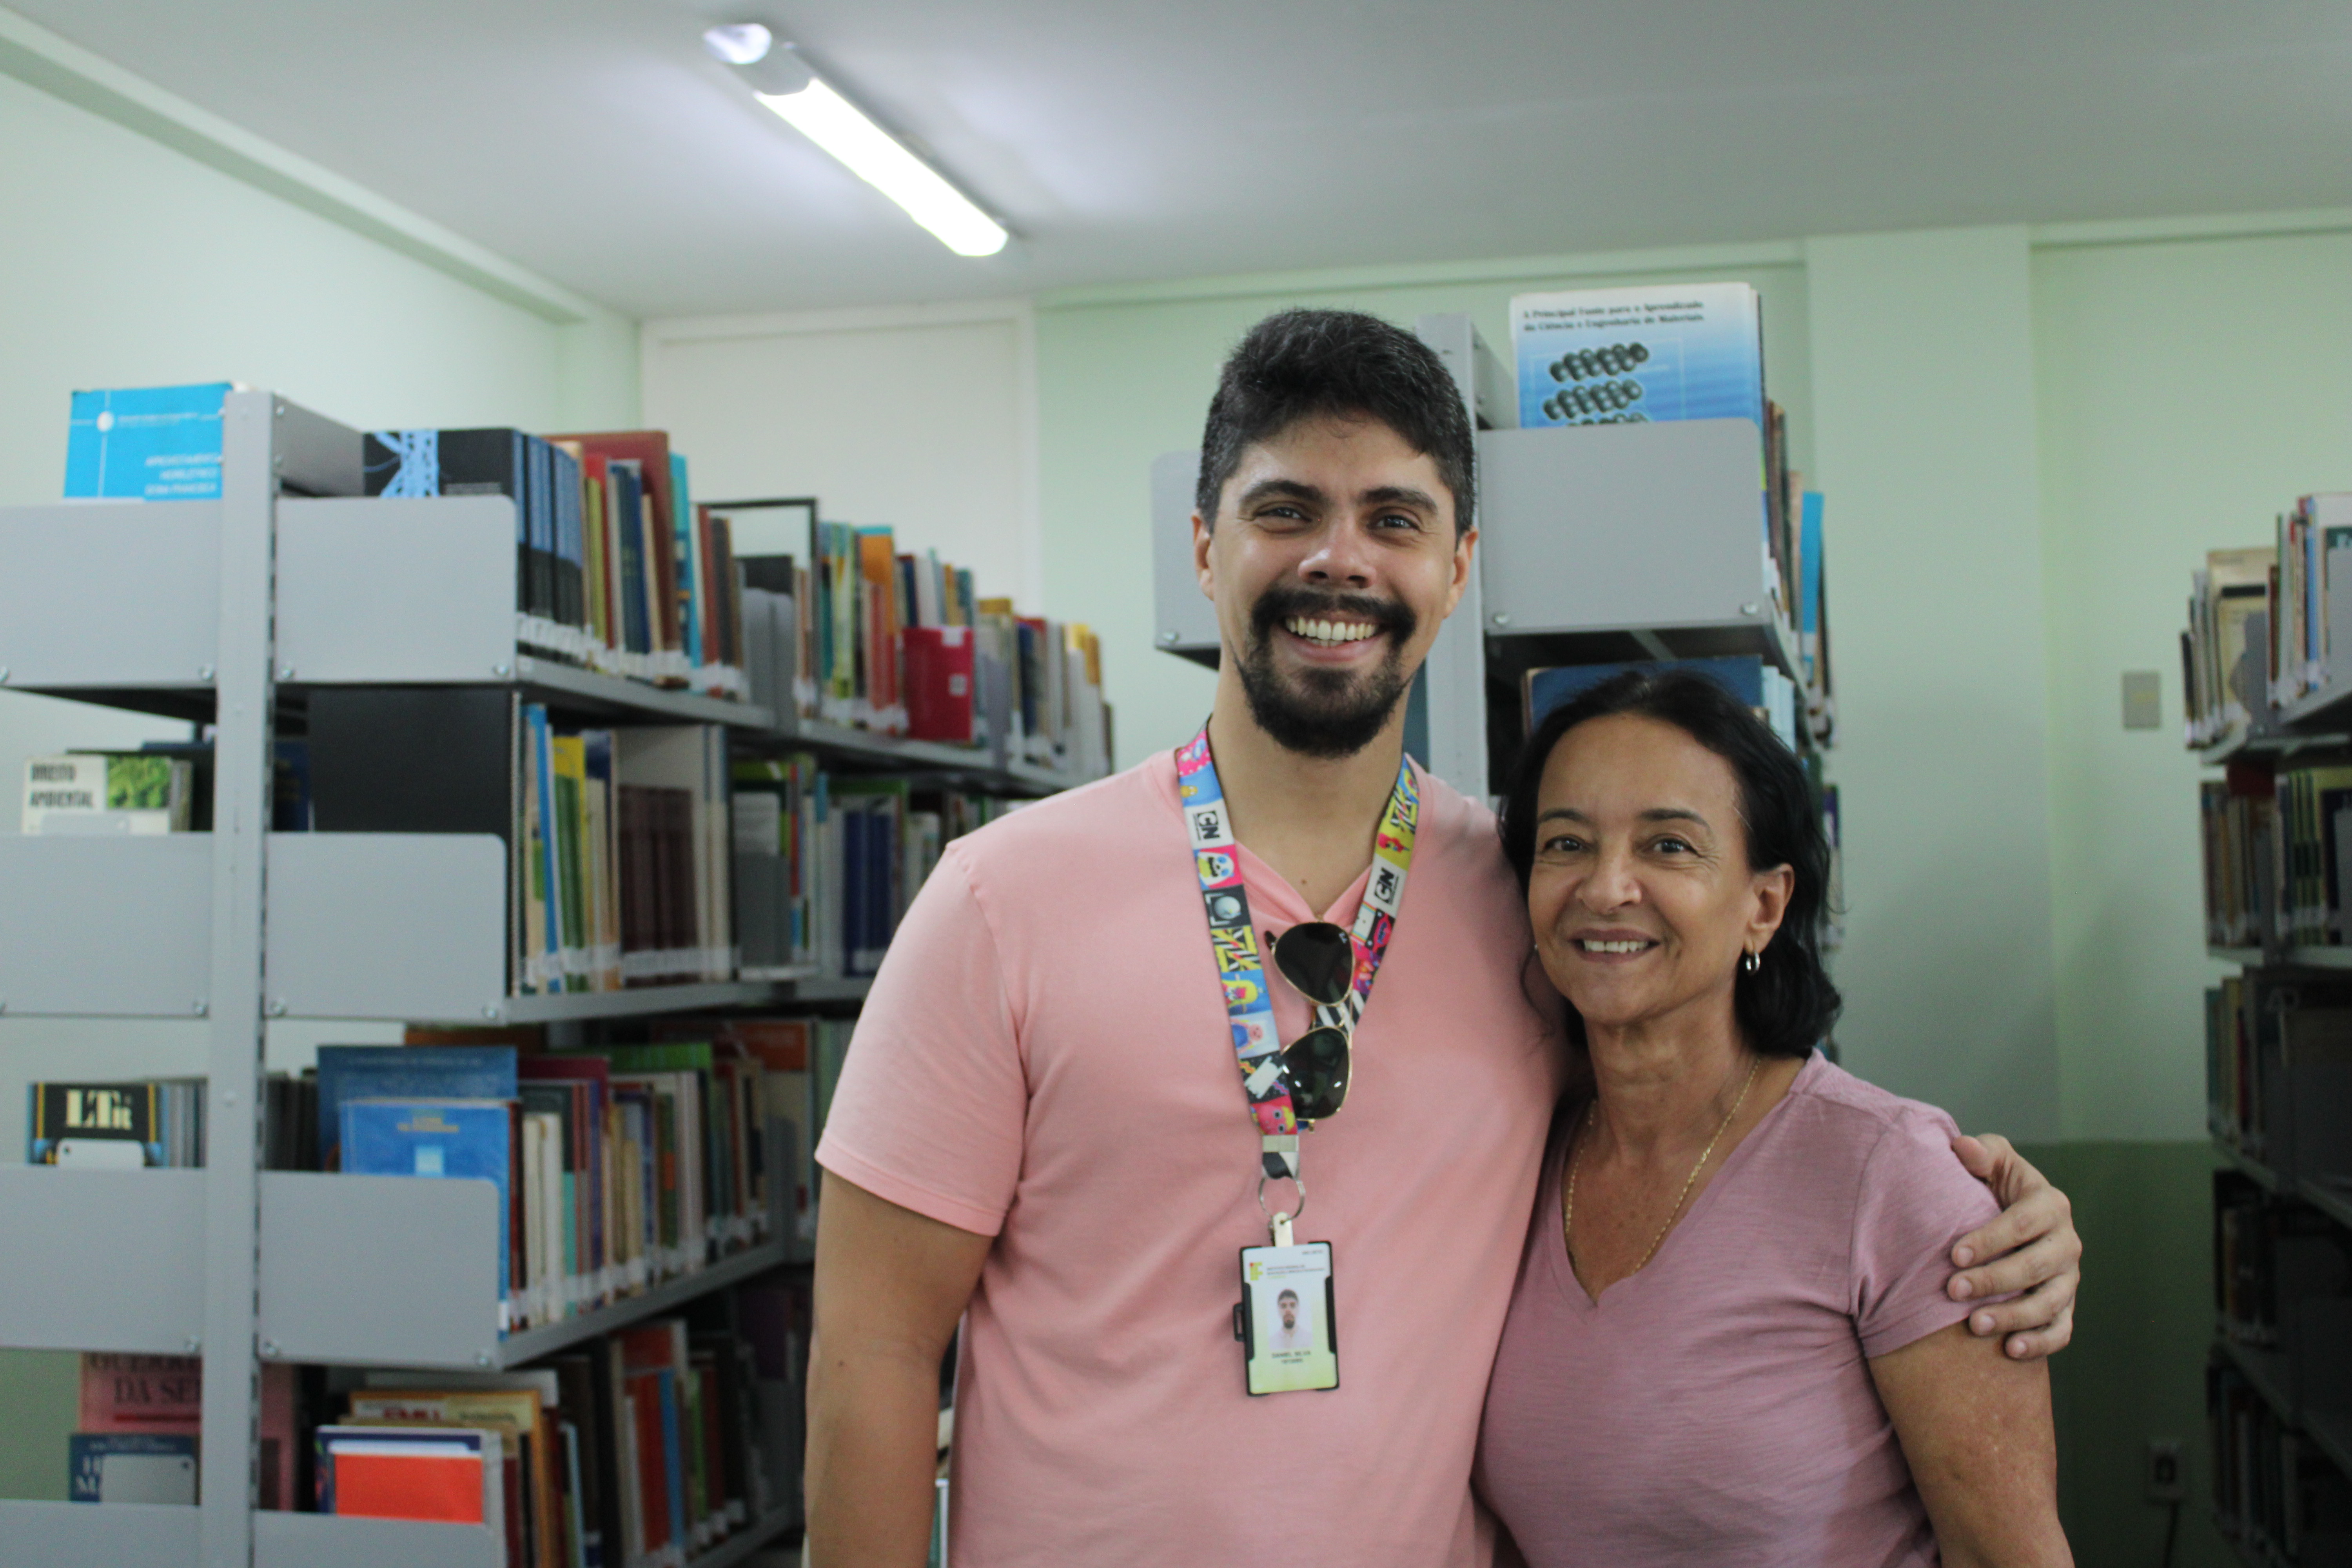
(1717, 1406)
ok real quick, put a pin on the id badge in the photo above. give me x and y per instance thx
(1287, 1322)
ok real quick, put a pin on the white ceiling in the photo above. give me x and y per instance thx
(592, 140)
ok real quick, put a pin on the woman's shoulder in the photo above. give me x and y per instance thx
(1836, 1096)
(1844, 1134)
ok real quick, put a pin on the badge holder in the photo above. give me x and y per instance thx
(1287, 1319)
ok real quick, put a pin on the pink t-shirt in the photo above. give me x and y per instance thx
(1046, 1058)
(1717, 1406)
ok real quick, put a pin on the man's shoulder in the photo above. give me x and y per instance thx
(1110, 816)
(1456, 829)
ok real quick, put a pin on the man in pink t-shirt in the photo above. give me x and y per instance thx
(1043, 1127)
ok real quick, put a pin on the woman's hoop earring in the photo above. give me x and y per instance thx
(1752, 963)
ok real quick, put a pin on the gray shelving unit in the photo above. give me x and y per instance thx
(1597, 544)
(223, 611)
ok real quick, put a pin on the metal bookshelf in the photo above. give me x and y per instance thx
(224, 612)
(2305, 1379)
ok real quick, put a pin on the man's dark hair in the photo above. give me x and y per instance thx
(1292, 1294)
(1301, 364)
(1788, 1004)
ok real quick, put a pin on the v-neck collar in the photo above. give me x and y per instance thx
(1556, 1236)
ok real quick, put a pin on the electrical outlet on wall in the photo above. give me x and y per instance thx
(2165, 1482)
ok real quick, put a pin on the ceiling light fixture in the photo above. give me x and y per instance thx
(782, 81)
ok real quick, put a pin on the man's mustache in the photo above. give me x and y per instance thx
(1282, 603)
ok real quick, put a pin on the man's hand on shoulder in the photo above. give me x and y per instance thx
(2029, 1253)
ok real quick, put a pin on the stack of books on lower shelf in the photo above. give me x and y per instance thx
(2278, 1047)
(621, 1167)
(2276, 1493)
(826, 863)
(137, 1428)
(644, 1449)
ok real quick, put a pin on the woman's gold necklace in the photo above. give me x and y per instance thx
(1576, 1152)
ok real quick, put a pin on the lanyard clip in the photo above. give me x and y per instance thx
(1281, 1227)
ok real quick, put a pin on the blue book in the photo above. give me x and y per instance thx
(1742, 675)
(1631, 356)
(674, 1462)
(453, 1139)
(1809, 552)
(146, 443)
(692, 590)
(1760, 686)
(405, 1072)
(132, 1466)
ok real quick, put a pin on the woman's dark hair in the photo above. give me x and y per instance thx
(1788, 1004)
(1300, 364)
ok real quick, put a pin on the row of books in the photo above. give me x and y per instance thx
(620, 848)
(1610, 356)
(2268, 1255)
(644, 1449)
(617, 570)
(2275, 1492)
(617, 838)
(619, 1167)
(2266, 628)
(2238, 828)
(2274, 847)
(860, 634)
(2313, 545)
(826, 863)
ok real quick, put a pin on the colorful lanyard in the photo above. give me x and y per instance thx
(1249, 1007)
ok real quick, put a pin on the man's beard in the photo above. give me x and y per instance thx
(1328, 713)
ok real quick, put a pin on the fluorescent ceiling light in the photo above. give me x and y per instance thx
(811, 106)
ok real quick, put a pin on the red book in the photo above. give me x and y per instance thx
(447, 1473)
(159, 1394)
(939, 683)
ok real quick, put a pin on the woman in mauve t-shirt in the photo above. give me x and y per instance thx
(1729, 1341)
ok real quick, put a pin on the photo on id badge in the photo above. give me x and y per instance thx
(1292, 1342)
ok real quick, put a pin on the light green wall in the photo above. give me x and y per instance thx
(2136, 1373)
(1123, 378)
(1922, 357)
(2187, 393)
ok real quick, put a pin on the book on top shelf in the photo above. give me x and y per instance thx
(2222, 691)
(1677, 351)
(146, 443)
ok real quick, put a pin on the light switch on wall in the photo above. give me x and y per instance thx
(2142, 700)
